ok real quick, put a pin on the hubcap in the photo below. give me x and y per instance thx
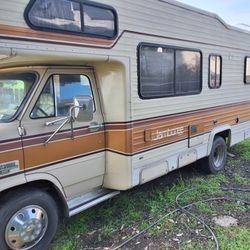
(26, 227)
(218, 156)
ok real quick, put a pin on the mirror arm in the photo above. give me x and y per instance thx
(56, 121)
(67, 119)
(56, 131)
(72, 120)
(71, 127)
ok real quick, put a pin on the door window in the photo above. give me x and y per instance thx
(58, 95)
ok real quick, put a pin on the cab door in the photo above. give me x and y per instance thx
(15, 87)
(74, 157)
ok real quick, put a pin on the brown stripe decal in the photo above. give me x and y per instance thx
(60, 150)
(12, 156)
(155, 132)
(119, 141)
(25, 33)
(10, 146)
(60, 136)
(125, 138)
(163, 131)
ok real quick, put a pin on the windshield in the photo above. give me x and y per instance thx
(14, 87)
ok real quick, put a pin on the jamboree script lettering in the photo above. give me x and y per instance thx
(167, 133)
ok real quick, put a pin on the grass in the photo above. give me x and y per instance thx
(239, 179)
(234, 238)
(204, 208)
(243, 151)
(198, 245)
(113, 221)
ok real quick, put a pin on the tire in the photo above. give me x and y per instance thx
(28, 220)
(216, 161)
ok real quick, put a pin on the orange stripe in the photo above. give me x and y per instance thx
(131, 138)
(60, 150)
(204, 120)
(27, 33)
(13, 156)
(119, 141)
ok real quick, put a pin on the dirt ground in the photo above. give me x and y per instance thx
(196, 233)
(178, 231)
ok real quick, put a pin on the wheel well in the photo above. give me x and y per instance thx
(44, 185)
(226, 135)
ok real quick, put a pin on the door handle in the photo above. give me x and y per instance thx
(21, 131)
(95, 126)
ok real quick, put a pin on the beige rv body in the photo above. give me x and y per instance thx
(137, 139)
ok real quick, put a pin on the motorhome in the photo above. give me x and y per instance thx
(100, 96)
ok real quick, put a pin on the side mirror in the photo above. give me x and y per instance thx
(82, 111)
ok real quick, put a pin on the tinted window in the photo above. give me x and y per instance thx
(168, 71)
(157, 71)
(215, 71)
(72, 16)
(56, 14)
(58, 95)
(188, 72)
(247, 70)
(99, 21)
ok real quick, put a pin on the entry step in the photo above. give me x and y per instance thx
(90, 199)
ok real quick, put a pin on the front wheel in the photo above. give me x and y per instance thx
(216, 161)
(28, 220)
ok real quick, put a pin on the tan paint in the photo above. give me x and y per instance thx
(118, 173)
(12, 181)
(113, 77)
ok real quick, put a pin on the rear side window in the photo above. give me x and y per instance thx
(58, 95)
(168, 71)
(247, 70)
(215, 71)
(80, 18)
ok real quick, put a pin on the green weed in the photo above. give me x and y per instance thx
(234, 238)
(239, 179)
(134, 210)
(243, 150)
